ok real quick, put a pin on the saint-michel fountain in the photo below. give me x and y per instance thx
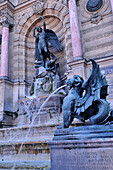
(56, 96)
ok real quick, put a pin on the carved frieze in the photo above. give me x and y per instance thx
(38, 6)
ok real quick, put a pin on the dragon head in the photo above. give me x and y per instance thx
(76, 81)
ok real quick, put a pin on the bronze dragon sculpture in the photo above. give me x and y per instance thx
(86, 99)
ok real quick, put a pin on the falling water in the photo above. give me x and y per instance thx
(33, 123)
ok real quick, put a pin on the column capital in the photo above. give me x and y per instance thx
(4, 21)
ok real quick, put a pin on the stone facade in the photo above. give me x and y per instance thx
(96, 34)
(85, 35)
(23, 16)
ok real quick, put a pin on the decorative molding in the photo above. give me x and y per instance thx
(20, 20)
(96, 18)
(4, 19)
(94, 5)
(100, 55)
(38, 6)
(44, 4)
(93, 16)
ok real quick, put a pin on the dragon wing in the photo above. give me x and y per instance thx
(53, 39)
(93, 89)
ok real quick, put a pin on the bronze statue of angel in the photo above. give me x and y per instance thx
(43, 37)
(87, 99)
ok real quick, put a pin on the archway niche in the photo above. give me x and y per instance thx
(56, 25)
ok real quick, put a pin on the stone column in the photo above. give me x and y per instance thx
(112, 5)
(75, 30)
(4, 49)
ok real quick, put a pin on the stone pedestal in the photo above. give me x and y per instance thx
(50, 114)
(6, 102)
(86, 147)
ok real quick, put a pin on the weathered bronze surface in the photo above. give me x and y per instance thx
(43, 37)
(92, 103)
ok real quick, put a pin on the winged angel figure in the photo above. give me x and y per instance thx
(87, 99)
(43, 37)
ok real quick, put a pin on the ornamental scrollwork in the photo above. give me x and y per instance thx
(38, 6)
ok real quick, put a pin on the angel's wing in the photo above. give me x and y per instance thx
(93, 86)
(53, 39)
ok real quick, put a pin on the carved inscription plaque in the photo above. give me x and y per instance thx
(80, 158)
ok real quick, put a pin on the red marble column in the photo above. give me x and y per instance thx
(75, 30)
(112, 5)
(4, 51)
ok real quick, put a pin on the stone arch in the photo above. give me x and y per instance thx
(23, 33)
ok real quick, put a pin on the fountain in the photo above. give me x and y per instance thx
(24, 146)
(33, 119)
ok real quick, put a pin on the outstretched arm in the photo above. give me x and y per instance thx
(34, 31)
(44, 24)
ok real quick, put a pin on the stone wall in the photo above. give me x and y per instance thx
(57, 17)
(97, 30)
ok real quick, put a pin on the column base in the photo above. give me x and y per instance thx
(7, 120)
(4, 78)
